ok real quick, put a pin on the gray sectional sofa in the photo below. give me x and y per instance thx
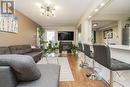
(35, 53)
(26, 73)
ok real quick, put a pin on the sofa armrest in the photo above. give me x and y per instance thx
(7, 78)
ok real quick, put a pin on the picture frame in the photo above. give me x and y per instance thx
(109, 33)
(9, 24)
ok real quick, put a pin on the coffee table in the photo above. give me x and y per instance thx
(52, 58)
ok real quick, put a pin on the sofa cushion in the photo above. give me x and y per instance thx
(20, 49)
(17, 49)
(27, 48)
(4, 50)
(24, 67)
(49, 77)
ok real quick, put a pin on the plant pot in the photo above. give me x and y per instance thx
(73, 52)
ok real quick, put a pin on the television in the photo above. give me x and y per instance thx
(65, 35)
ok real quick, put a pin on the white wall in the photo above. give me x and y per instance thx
(64, 28)
(86, 31)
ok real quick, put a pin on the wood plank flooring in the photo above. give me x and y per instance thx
(79, 76)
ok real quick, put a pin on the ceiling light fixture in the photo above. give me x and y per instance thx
(89, 16)
(102, 4)
(96, 10)
(95, 25)
(48, 9)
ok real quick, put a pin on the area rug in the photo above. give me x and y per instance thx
(65, 71)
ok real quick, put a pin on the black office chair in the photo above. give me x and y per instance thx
(102, 56)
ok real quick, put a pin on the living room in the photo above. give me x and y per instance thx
(64, 43)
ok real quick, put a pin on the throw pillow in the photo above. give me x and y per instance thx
(24, 66)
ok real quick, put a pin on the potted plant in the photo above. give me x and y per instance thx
(51, 48)
(41, 32)
(73, 49)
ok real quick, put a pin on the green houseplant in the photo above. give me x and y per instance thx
(41, 32)
(51, 47)
(73, 49)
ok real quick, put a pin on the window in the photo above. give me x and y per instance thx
(51, 36)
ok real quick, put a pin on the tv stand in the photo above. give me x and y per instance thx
(65, 46)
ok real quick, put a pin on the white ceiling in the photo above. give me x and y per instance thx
(117, 7)
(69, 14)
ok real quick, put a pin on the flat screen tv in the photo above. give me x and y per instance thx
(65, 35)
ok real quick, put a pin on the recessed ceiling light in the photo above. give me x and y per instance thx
(89, 16)
(95, 25)
(96, 10)
(102, 4)
(41, 14)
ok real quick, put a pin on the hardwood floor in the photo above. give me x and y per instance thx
(79, 76)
